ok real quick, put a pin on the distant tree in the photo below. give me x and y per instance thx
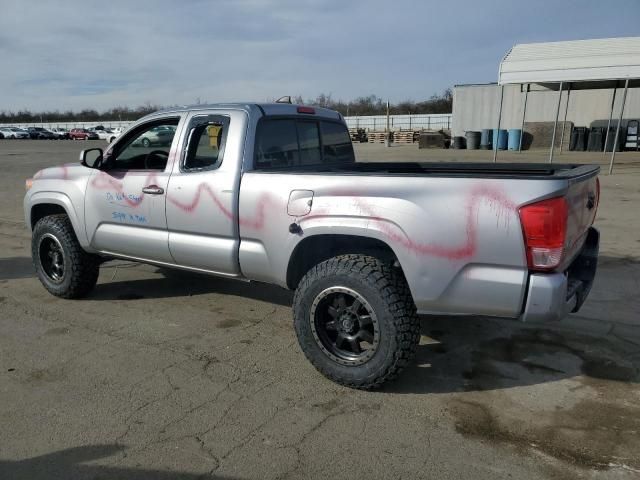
(365, 105)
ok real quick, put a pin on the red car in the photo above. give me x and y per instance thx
(82, 134)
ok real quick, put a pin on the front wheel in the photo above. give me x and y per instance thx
(62, 266)
(356, 321)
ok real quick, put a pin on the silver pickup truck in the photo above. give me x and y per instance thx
(272, 193)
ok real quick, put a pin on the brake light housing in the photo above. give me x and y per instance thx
(309, 110)
(544, 227)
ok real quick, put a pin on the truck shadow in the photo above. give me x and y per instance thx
(465, 353)
(14, 268)
(175, 283)
(69, 464)
(476, 354)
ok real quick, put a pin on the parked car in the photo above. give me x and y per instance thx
(103, 134)
(114, 133)
(6, 132)
(39, 133)
(60, 133)
(19, 132)
(157, 136)
(82, 134)
(365, 246)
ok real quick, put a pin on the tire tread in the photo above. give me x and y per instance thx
(394, 291)
(85, 267)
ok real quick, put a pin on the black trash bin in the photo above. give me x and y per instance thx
(612, 138)
(459, 143)
(596, 139)
(579, 137)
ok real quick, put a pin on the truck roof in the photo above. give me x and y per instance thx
(252, 107)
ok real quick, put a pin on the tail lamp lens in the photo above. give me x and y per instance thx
(545, 227)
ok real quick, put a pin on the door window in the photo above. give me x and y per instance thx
(206, 143)
(145, 148)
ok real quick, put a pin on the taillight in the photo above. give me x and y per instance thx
(544, 225)
(310, 110)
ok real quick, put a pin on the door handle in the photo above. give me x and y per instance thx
(153, 190)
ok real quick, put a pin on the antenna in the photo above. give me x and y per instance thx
(285, 99)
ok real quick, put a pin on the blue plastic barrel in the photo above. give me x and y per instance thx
(485, 139)
(501, 139)
(514, 138)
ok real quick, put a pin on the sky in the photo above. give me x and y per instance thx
(67, 54)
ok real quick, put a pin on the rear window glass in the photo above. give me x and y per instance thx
(336, 143)
(292, 142)
(277, 144)
(309, 139)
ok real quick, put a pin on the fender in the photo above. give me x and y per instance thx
(61, 199)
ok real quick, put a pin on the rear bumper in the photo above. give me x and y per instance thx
(553, 296)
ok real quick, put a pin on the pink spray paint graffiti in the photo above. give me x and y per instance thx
(479, 194)
(496, 199)
(106, 182)
(55, 173)
(256, 222)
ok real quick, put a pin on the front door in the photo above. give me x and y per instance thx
(125, 200)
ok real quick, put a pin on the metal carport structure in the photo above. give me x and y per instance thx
(587, 63)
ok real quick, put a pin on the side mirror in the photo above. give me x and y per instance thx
(91, 157)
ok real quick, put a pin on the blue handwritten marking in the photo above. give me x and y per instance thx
(129, 217)
(113, 197)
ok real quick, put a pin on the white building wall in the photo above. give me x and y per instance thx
(476, 106)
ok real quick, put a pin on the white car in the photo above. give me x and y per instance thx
(60, 133)
(114, 133)
(102, 133)
(6, 132)
(14, 132)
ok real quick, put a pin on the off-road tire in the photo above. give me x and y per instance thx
(81, 269)
(387, 292)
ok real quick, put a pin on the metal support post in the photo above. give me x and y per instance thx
(495, 147)
(555, 124)
(615, 140)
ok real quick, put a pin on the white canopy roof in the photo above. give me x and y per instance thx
(579, 60)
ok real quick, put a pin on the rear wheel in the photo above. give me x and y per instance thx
(146, 142)
(356, 321)
(62, 266)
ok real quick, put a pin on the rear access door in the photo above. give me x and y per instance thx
(202, 195)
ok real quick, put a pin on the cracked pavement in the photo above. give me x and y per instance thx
(162, 375)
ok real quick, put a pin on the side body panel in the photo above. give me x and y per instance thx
(459, 241)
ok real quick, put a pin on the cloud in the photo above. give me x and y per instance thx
(93, 54)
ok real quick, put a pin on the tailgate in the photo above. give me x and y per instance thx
(582, 203)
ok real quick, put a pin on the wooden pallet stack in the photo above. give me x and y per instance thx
(376, 137)
(403, 137)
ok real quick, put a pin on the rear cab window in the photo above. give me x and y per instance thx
(301, 142)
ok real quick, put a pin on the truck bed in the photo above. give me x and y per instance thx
(524, 171)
